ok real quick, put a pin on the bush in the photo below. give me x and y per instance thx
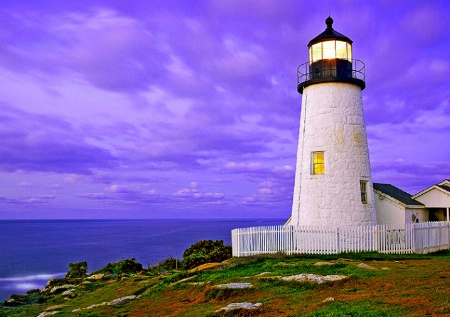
(170, 264)
(77, 270)
(128, 266)
(205, 251)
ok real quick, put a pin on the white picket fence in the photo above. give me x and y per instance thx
(422, 237)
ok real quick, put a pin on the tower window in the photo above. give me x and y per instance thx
(318, 163)
(363, 185)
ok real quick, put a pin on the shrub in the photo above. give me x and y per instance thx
(205, 251)
(169, 264)
(77, 270)
(127, 266)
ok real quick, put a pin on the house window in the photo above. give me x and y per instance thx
(363, 185)
(318, 163)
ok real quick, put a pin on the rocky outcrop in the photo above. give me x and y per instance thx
(312, 278)
(116, 301)
(235, 306)
(121, 300)
(234, 285)
(47, 313)
(95, 276)
(62, 288)
(365, 266)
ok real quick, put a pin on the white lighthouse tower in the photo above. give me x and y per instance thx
(333, 183)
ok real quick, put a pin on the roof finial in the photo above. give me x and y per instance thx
(329, 22)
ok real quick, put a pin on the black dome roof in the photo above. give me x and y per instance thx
(329, 34)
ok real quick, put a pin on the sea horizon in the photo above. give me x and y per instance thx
(34, 250)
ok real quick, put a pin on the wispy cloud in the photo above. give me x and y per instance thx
(180, 108)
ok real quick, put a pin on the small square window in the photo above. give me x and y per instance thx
(363, 186)
(318, 163)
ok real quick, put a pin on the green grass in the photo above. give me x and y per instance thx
(357, 309)
(413, 285)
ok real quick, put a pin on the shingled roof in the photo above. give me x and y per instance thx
(446, 188)
(397, 194)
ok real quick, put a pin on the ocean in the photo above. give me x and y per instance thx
(33, 251)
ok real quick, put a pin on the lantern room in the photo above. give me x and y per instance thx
(330, 60)
(330, 45)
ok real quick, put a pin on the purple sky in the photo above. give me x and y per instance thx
(188, 109)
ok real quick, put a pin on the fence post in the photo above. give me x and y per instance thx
(338, 246)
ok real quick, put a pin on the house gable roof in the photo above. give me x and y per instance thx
(443, 186)
(446, 188)
(397, 194)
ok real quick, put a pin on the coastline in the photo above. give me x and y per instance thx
(45, 247)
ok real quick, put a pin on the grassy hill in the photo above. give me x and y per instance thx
(375, 285)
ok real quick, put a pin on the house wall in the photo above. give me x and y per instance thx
(389, 211)
(434, 198)
(420, 215)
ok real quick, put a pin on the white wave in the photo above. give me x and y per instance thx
(26, 283)
(26, 286)
(37, 277)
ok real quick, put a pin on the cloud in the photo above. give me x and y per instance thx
(34, 142)
(192, 192)
(410, 176)
(108, 49)
(119, 107)
(42, 199)
(245, 167)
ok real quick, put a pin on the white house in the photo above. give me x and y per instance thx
(395, 206)
(436, 198)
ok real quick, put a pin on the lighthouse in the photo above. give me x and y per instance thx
(333, 182)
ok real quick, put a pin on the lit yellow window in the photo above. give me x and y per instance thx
(316, 52)
(341, 50)
(329, 49)
(318, 163)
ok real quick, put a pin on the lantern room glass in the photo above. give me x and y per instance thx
(330, 50)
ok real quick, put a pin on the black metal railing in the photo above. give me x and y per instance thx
(331, 69)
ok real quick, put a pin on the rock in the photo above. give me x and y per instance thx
(47, 313)
(58, 289)
(16, 300)
(263, 274)
(385, 269)
(69, 294)
(244, 305)
(323, 263)
(312, 278)
(328, 300)
(96, 305)
(197, 283)
(234, 285)
(271, 277)
(95, 277)
(365, 266)
(345, 260)
(54, 281)
(116, 301)
(120, 300)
